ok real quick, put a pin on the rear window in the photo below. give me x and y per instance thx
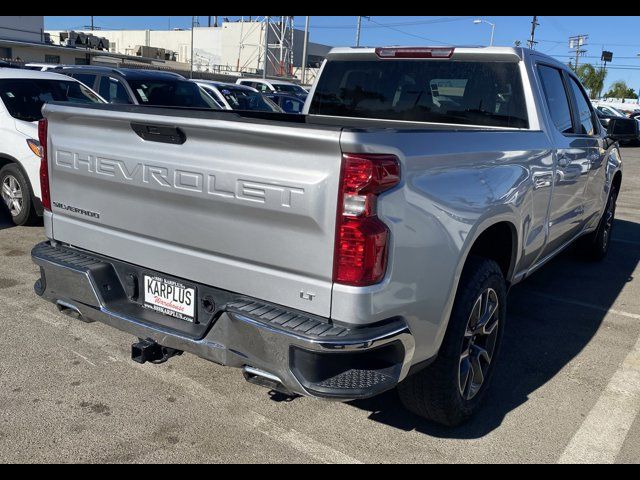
(171, 93)
(24, 97)
(443, 91)
(284, 87)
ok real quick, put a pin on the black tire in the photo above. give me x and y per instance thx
(595, 245)
(27, 214)
(435, 393)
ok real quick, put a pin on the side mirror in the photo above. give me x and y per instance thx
(622, 127)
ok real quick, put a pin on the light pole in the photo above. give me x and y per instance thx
(493, 28)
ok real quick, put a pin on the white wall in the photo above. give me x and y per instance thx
(21, 27)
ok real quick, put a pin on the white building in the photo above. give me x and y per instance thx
(230, 47)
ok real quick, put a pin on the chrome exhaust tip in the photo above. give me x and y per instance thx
(265, 379)
(71, 310)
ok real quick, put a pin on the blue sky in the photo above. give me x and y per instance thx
(617, 34)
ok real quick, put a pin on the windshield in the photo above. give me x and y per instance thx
(284, 87)
(170, 93)
(617, 112)
(244, 99)
(444, 91)
(24, 97)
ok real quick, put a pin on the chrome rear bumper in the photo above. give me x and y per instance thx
(305, 355)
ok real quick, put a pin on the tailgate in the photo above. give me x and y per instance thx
(244, 205)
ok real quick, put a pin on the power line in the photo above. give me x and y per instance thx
(397, 24)
(409, 34)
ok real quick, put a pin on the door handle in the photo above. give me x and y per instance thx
(159, 133)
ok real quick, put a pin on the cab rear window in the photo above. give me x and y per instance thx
(443, 91)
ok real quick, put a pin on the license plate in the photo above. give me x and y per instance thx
(169, 298)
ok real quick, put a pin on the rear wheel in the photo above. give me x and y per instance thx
(451, 389)
(17, 195)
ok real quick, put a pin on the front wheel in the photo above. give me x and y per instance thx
(451, 389)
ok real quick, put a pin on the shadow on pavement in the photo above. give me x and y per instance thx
(5, 217)
(542, 334)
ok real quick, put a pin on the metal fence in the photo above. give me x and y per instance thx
(220, 77)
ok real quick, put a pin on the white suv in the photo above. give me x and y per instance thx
(22, 94)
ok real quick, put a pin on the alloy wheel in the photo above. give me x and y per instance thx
(479, 343)
(12, 195)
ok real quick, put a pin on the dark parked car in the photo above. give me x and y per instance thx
(5, 64)
(623, 129)
(141, 87)
(288, 103)
(231, 96)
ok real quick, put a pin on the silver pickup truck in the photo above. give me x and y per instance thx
(366, 244)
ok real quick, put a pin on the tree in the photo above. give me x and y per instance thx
(592, 78)
(620, 89)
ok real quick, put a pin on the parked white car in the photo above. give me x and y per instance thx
(42, 67)
(22, 94)
(231, 96)
(612, 111)
(273, 86)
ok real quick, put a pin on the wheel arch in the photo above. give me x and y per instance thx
(8, 159)
(498, 242)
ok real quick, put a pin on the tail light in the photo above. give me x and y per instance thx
(362, 239)
(45, 196)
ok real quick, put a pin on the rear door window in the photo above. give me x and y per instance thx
(556, 97)
(443, 91)
(585, 113)
(88, 79)
(113, 91)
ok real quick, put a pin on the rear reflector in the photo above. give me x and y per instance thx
(360, 256)
(45, 196)
(415, 52)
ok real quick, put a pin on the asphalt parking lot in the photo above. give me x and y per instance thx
(567, 388)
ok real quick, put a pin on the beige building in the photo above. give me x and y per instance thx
(23, 39)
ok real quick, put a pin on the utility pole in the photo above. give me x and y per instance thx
(358, 30)
(91, 23)
(577, 42)
(534, 23)
(215, 21)
(193, 23)
(303, 74)
(266, 47)
(209, 21)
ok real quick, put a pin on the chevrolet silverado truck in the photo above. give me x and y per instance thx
(366, 244)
